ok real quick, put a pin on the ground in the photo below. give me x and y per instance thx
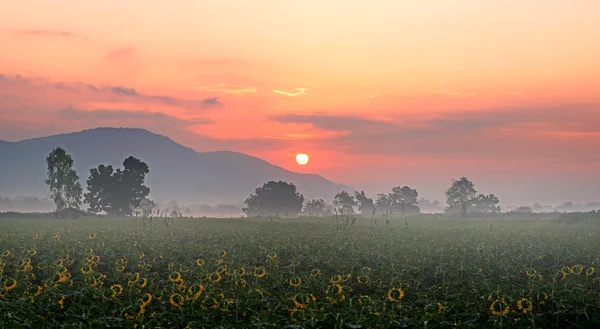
(307, 273)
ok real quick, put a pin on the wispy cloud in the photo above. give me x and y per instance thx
(299, 91)
(230, 89)
(44, 33)
(211, 103)
(124, 91)
(142, 118)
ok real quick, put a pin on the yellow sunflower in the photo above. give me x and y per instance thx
(10, 284)
(499, 307)
(176, 300)
(200, 262)
(215, 277)
(92, 236)
(395, 294)
(116, 289)
(260, 272)
(295, 282)
(590, 271)
(146, 299)
(525, 305)
(175, 277)
(142, 283)
(86, 269)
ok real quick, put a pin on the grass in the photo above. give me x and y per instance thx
(305, 273)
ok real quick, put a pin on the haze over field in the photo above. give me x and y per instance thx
(378, 93)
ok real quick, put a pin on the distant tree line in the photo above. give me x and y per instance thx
(279, 198)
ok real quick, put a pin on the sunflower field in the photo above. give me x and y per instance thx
(305, 273)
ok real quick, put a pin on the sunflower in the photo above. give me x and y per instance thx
(531, 272)
(362, 279)
(590, 271)
(92, 236)
(577, 269)
(133, 279)
(364, 299)
(395, 294)
(116, 289)
(6, 253)
(10, 284)
(183, 268)
(176, 300)
(215, 277)
(346, 278)
(61, 302)
(315, 272)
(365, 270)
(134, 244)
(146, 299)
(35, 236)
(158, 295)
(441, 307)
(241, 271)
(31, 252)
(196, 290)
(200, 262)
(272, 255)
(142, 283)
(499, 307)
(335, 293)
(295, 282)
(525, 305)
(260, 272)
(221, 269)
(241, 283)
(175, 277)
(86, 269)
(301, 300)
(335, 279)
(222, 253)
(3, 291)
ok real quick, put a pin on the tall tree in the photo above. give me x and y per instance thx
(364, 203)
(117, 192)
(460, 194)
(486, 203)
(314, 208)
(404, 200)
(277, 198)
(344, 203)
(65, 188)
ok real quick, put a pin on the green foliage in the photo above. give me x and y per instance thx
(65, 189)
(344, 203)
(314, 208)
(117, 192)
(274, 198)
(402, 200)
(485, 203)
(460, 195)
(365, 204)
(299, 274)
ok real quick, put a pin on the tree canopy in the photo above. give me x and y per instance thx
(117, 192)
(277, 198)
(315, 208)
(365, 205)
(460, 195)
(402, 200)
(344, 203)
(65, 188)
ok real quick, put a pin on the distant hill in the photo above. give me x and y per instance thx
(176, 172)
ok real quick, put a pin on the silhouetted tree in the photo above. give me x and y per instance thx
(485, 203)
(117, 192)
(365, 204)
(402, 200)
(315, 207)
(523, 210)
(65, 189)
(459, 195)
(274, 198)
(344, 203)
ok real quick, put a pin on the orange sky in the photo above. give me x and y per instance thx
(378, 93)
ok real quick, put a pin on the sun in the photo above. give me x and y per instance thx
(302, 159)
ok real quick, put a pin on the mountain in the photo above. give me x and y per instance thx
(176, 172)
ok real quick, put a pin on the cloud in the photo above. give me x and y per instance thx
(299, 91)
(129, 117)
(44, 33)
(121, 52)
(124, 91)
(230, 89)
(336, 122)
(211, 103)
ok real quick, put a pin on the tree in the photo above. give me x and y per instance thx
(365, 204)
(277, 198)
(146, 208)
(402, 200)
(117, 192)
(344, 203)
(485, 203)
(523, 210)
(65, 188)
(459, 195)
(314, 208)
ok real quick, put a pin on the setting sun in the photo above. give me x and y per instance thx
(302, 159)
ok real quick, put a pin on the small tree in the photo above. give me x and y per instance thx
(274, 198)
(460, 194)
(486, 203)
(365, 204)
(315, 208)
(65, 188)
(344, 203)
(402, 200)
(117, 192)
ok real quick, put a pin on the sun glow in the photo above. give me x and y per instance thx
(302, 159)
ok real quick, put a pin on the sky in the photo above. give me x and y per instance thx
(377, 93)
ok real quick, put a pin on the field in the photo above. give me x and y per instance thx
(312, 273)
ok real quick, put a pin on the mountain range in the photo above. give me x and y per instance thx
(176, 172)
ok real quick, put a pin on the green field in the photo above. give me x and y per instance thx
(311, 273)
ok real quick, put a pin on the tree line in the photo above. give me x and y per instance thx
(279, 198)
(113, 191)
